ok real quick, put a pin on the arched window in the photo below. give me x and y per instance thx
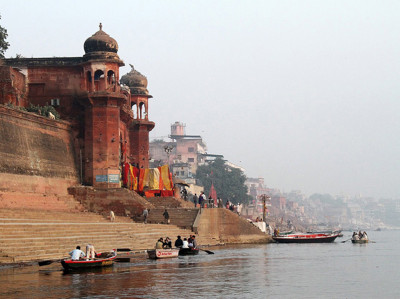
(99, 83)
(98, 75)
(142, 110)
(110, 78)
(134, 110)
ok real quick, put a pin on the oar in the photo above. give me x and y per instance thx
(124, 249)
(346, 240)
(208, 251)
(48, 262)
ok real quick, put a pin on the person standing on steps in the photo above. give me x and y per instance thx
(166, 216)
(195, 200)
(145, 215)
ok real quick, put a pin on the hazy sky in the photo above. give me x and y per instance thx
(303, 93)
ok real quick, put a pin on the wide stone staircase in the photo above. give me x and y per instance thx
(39, 201)
(28, 235)
(182, 217)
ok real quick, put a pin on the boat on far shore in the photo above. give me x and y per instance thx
(306, 238)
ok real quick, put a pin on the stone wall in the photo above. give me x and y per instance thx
(228, 227)
(36, 154)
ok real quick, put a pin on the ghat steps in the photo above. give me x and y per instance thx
(27, 235)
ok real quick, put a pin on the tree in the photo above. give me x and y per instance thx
(228, 181)
(3, 44)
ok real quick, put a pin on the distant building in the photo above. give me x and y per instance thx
(186, 151)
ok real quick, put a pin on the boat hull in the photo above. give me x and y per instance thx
(87, 264)
(188, 251)
(359, 241)
(319, 238)
(163, 253)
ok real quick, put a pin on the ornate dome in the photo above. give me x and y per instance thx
(136, 82)
(100, 42)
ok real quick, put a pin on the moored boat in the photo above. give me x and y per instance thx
(188, 251)
(103, 259)
(163, 253)
(306, 238)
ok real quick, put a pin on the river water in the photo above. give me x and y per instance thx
(333, 270)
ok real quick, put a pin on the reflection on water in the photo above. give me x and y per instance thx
(336, 270)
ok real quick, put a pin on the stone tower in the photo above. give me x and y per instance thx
(140, 127)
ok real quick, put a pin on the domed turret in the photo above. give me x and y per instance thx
(101, 46)
(136, 81)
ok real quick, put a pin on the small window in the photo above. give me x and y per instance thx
(182, 173)
(191, 149)
(190, 159)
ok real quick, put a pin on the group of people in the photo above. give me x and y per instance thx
(78, 254)
(211, 203)
(164, 244)
(179, 243)
(360, 236)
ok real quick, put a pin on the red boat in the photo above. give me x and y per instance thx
(306, 238)
(102, 260)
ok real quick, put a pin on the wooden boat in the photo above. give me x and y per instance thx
(306, 238)
(359, 241)
(103, 259)
(189, 251)
(163, 253)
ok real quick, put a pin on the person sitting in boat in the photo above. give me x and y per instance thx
(355, 236)
(77, 253)
(185, 243)
(193, 243)
(365, 236)
(167, 243)
(178, 242)
(160, 243)
(276, 232)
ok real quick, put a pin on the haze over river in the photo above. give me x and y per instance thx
(333, 270)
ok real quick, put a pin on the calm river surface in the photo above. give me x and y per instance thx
(335, 270)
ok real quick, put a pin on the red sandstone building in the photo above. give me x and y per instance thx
(108, 115)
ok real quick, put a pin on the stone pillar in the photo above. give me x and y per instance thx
(139, 142)
(102, 142)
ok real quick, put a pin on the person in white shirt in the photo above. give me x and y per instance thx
(77, 253)
(185, 243)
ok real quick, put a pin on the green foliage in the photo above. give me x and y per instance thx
(3, 44)
(228, 181)
(43, 110)
(10, 105)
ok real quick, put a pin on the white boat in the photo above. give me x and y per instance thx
(163, 253)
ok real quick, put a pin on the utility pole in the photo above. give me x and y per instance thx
(265, 198)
